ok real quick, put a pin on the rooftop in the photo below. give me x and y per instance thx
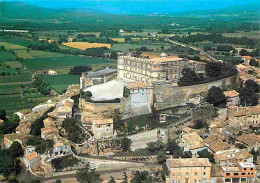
(248, 139)
(246, 165)
(232, 93)
(219, 145)
(238, 154)
(31, 156)
(136, 85)
(188, 162)
(103, 121)
(193, 140)
(100, 72)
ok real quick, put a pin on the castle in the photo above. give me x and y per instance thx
(148, 70)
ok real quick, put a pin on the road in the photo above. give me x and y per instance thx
(202, 52)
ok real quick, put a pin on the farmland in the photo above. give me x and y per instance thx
(16, 40)
(36, 54)
(60, 82)
(6, 56)
(59, 62)
(125, 47)
(10, 46)
(17, 97)
(86, 45)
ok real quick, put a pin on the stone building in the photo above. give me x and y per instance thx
(188, 170)
(97, 77)
(155, 69)
(232, 98)
(192, 142)
(103, 128)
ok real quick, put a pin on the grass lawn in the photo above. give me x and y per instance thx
(59, 62)
(10, 46)
(36, 54)
(125, 47)
(6, 56)
(13, 79)
(60, 82)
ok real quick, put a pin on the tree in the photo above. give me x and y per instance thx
(141, 177)
(78, 70)
(36, 181)
(112, 180)
(205, 154)
(243, 52)
(252, 85)
(7, 164)
(216, 97)
(2, 48)
(248, 97)
(16, 150)
(214, 69)
(189, 77)
(198, 124)
(58, 181)
(125, 179)
(125, 144)
(2, 114)
(254, 63)
(86, 175)
(73, 131)
(113, 55)
(161, 156)
(14, 118)
(117, 121)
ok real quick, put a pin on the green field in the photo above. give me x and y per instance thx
(125, 47)
(36, 54)
(10, 46)
(14, 79)
(16, 40)
(59, 62)
(17, 97)
(60, 82)
(6, 56)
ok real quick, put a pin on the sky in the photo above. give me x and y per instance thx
(139, 6)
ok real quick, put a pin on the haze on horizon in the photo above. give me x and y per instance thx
(139, 6)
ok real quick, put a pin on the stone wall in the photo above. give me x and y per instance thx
(99, 110)
(166, 95)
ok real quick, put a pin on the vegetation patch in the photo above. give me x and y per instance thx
(10, 46)
(60, 62)
(60, 82)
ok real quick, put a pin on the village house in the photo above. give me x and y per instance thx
(232, 98)
(244, 172)
(192, 142)
(24, 127)
(9, 139)
(52, 72)
(102, 128)
(32, 161)
(232, 157)
(244, 116)
(188, 170)
(61, 147)
(251, 141)
(246, 59)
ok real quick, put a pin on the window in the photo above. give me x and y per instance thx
(195, 173)
(228, 180)
(195, 180)
(243, 179)
(251, 168)
(243, 173)
(204, 173)
(235, 173)
(244, 168)
(227, 173)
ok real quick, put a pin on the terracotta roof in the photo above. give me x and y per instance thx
(193, 140)
(238, 154)
(231, 93)
(188, 162)
(219, 145)
(248, 139)
(136, 85)
(165, 59)
(102, 121)
(247, 57)
(31, 156)
(213, 138)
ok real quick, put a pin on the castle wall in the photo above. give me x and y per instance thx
(166, 95)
